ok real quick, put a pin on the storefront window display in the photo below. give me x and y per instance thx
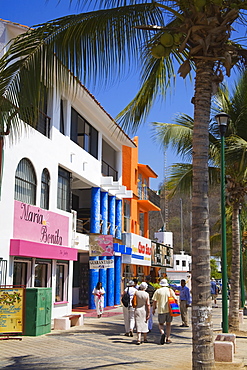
(42, 273)
(22, 269)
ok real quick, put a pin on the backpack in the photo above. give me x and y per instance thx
(126, 298)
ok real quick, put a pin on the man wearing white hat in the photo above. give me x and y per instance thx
(160, 300)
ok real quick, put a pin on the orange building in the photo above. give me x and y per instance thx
(136, 210)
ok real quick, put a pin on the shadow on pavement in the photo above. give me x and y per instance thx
(33, 363)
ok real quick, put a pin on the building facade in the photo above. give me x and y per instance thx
(142, 261)
(61, 199)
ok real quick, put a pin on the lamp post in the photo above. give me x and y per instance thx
(222, 120)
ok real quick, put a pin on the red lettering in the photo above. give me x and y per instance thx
(144, 249)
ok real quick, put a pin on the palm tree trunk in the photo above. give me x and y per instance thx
(202, 355)
(235, 269)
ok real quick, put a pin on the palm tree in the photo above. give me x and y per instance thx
(97, 44)
(179, 136)
(236, 186)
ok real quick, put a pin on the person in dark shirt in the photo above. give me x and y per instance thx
(150, 290)
(214, 292)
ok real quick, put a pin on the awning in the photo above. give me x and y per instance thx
(26, 248)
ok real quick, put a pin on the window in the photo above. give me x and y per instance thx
(45, 185)
(109, 159)
(126, 223)
(139, 186)
(128, 273)
(22, 272)
(83, 134)
(177, 262)
(25, 182)
(145, 189)
(140, 272)
(63, 190)
(62, 120)
(61, 281)
(42, 273)
(183, 263)
(38, 119)
(43, 123)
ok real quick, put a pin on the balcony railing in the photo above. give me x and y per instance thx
(145, 193)
(153, 197)
(108, 170)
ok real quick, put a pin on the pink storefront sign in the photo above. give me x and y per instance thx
(25, 248)
(39, 225)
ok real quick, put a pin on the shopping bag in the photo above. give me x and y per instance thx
(173, 307)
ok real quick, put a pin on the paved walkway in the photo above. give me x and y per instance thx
(101, 344)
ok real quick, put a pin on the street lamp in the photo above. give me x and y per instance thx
(222, 120)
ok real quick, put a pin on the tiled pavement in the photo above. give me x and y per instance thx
(100, 344)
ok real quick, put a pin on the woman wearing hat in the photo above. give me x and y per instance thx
(142, 312)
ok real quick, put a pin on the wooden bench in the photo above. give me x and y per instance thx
(65, 322)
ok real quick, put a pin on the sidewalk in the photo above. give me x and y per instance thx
(100, 343)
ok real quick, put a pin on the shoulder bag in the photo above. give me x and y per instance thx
(134, 301)
(173, 306)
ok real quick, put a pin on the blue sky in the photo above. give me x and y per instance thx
(114, 99)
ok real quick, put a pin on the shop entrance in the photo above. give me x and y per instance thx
(81, 280)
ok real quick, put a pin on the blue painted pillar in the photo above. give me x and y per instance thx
(104, 210)
(110, 284)
(111, 213)
(93, 280)
(103, 279)
(95, 211)
(118, 234)
(118, 278)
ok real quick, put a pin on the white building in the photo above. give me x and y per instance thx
(53, 181)
(181, 267)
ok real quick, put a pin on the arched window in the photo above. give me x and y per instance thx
(45, 189)
(25, 182)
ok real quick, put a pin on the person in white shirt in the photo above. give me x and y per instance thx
(128, 312)
(160, 300)
(98, 293)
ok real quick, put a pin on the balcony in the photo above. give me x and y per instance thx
(153, 197)
(108, 170)
(148, 199)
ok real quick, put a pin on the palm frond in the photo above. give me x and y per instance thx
(92, 46)
(236, 152)
(178, 135)
(180, 179)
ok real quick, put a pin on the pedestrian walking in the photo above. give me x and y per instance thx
(98, 293)
(128, 312)
(160, 301)
(136, 283)
(142, 312)
(185, 301)
(150, 290)
(214, 292)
